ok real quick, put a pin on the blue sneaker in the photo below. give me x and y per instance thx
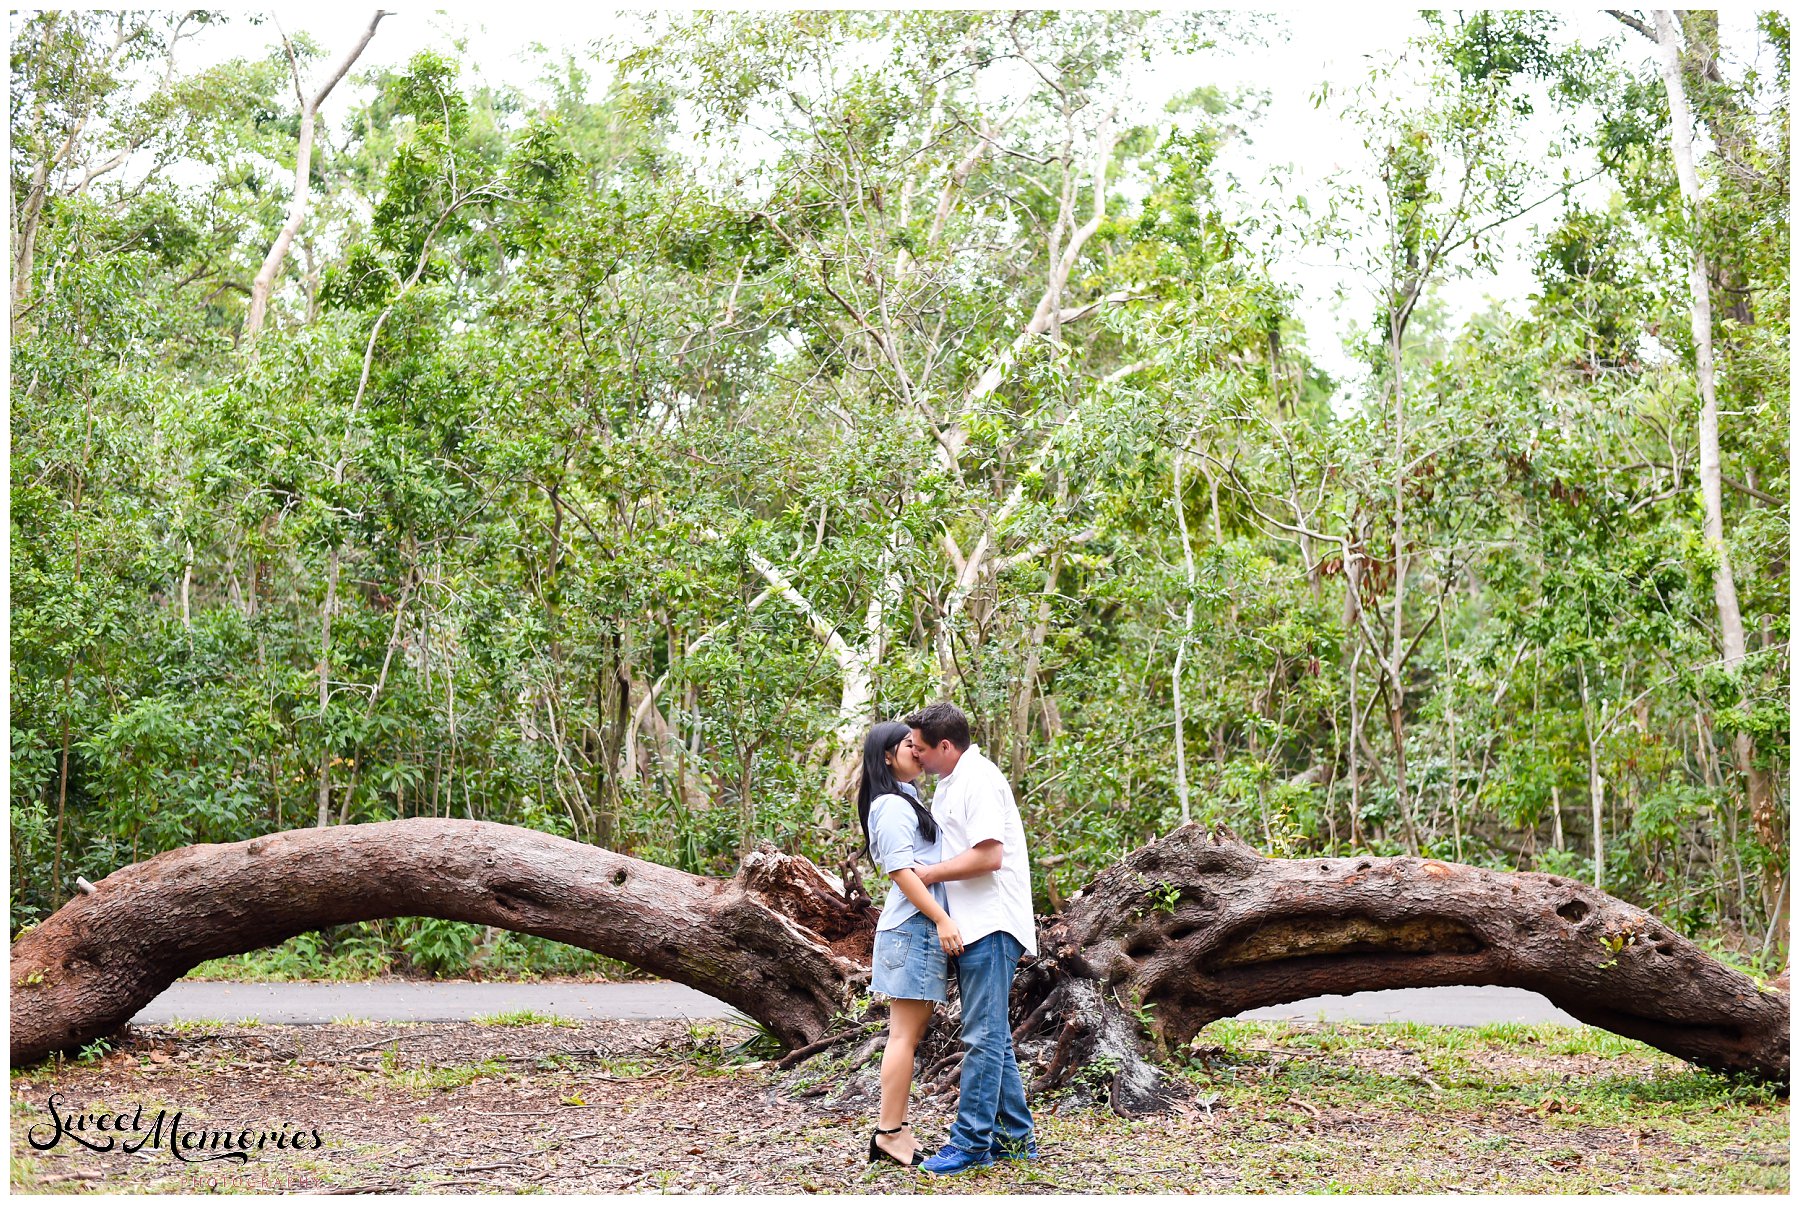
(1021, 1152)
(953, 1159)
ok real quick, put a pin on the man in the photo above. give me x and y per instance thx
(988, 884)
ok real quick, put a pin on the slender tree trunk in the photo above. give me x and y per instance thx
(1397, 730)
(1187, 631)
(25, 238)
(1356, 835)
(331, 584)
(1596, 785)
(62, 786)
(187, 583)
(1455, 785)
(1034, 649)
(264, 284)
(1733, 139)
(62, 789)
(1725, 596)
(1394, 663)
(615, 712)
(746, 809)
(263, 287)
(1731, 623)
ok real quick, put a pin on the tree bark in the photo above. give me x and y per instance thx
(25, 236)
(1181, 933)
(1248, 931)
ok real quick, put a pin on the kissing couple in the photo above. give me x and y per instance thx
(960, 903)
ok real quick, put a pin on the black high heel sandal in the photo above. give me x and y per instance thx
(876, 1154)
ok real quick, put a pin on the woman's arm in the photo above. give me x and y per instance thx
(949, 936)
(907, 880)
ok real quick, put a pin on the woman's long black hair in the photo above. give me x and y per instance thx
(878, 779)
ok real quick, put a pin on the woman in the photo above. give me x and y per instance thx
(914, 935)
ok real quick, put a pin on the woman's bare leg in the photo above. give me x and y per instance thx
(907, 1020)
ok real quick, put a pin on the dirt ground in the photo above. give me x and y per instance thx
(632, 1106)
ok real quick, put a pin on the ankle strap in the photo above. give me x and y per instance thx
(895, 1130)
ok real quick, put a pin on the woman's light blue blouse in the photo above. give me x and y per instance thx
(895, 843)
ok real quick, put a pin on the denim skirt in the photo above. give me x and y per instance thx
(910, 963)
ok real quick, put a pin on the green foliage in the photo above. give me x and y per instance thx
(595, 431)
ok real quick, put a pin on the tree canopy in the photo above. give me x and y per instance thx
(613, 452)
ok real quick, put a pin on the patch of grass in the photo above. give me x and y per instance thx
(1496, 1109)
(1235, 1036)
(26, 1174)
(557, 1063)
(424, 1080)
(525, 1016)
(40, 1072)
(200, 1025)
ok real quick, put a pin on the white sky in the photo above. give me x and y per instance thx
(1293, 140)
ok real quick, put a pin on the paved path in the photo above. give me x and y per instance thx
(315, 1003)
(390, 1000)
(1425, 1005)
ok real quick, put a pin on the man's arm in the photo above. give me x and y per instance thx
(981, 858)
(912, 887)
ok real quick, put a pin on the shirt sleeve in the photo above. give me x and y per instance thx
(892, 828)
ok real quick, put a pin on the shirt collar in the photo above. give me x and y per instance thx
(971, 751)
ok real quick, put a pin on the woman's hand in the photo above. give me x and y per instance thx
(950, 937)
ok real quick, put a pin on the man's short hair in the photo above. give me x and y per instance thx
(941, 722)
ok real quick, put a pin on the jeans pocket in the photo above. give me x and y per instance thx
(895, 945)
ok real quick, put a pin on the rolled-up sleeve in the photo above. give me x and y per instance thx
(892, 826)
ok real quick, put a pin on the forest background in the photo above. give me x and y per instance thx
(602, 459)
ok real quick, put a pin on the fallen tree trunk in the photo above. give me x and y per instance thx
(1178, 934)
(1200, 926)
(775, 940)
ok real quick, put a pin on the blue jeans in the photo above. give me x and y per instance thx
(990, 1108)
